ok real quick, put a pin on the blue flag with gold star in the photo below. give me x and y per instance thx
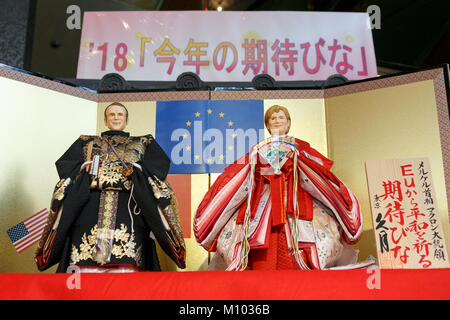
(205, 136)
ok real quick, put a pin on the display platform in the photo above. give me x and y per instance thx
(367, 284)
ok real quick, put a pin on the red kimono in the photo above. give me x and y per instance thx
(259, 213)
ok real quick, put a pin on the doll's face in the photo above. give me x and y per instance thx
(278, 123)
(116, 118)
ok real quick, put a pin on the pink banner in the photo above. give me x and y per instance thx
(226, 46)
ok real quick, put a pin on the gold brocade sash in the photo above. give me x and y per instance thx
(106, 224)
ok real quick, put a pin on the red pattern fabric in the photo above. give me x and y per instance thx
(275, 257)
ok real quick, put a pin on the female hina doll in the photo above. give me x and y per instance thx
(111, 203)
(279, 207)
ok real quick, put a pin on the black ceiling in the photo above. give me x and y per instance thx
(413, 33)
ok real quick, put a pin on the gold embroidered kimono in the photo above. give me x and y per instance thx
(112, 200)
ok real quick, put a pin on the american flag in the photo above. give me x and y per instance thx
(29, 231)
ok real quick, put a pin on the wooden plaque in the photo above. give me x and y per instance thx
(405, 215)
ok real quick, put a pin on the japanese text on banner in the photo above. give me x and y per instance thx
(232, 46)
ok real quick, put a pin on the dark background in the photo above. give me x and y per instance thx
(414, 34)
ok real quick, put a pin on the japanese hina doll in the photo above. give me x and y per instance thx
(280, 207)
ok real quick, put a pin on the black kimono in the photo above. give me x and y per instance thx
(112, 200)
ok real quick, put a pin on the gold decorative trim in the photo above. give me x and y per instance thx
(124, 245)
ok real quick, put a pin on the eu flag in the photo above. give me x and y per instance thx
(205, 136)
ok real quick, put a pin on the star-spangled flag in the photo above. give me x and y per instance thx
(26, 233)
(205, 136)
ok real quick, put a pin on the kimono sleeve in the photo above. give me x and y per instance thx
(68, 165)
(158, 202)
(155, 161)
(312, 154)
(315, 155)
(73, 191)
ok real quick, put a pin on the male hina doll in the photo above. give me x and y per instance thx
(279, 207)
(111, 203)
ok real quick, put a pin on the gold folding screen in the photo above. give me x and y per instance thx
(383, 118)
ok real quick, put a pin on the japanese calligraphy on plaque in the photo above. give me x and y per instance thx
(405, 216)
